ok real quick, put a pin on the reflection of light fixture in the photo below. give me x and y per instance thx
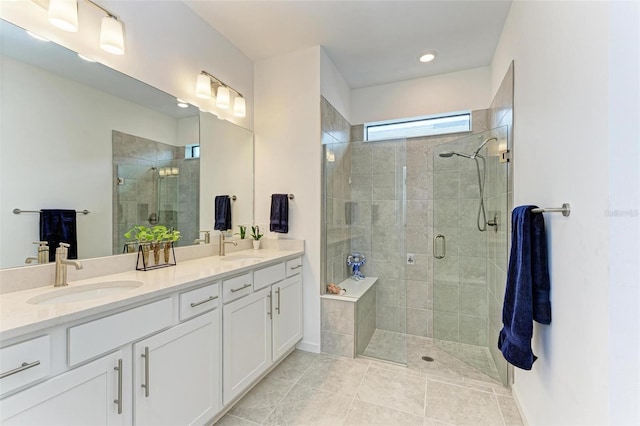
(206, 82)
(168, 172)
(182, 104)
(37, 37)
(331, 156)
(86, 58)
(64, 15)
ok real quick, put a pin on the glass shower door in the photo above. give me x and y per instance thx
(470, 220)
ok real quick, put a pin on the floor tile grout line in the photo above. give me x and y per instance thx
(426, 390)
(357, 390)
(504, 422)
(462, 386)
(241, 418)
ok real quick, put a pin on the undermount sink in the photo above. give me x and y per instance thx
(84, 292)
(239, 257)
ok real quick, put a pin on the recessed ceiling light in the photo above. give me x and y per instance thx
(36, 36)
(427, 57)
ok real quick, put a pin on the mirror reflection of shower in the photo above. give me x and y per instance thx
(482, 215)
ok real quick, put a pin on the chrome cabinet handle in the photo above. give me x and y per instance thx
(119, 400)
(435, 246)
(296, 267)
(278, 305)
(270, 306)
(209, 299)
(23, 366)
(145, 385)
(233, 290)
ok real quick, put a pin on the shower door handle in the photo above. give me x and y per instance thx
(442, 253)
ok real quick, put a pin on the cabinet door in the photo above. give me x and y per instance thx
(87, 395)
(246, 341)
(177, 374)
(287, 315)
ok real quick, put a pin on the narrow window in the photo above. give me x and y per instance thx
(415, 127)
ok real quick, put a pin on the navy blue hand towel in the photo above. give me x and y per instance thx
(279, 217)
(222, 219)
(59, 226)
(527, 294)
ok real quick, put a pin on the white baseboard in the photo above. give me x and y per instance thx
(308, 346)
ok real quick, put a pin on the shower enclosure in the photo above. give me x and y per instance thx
(434, 230)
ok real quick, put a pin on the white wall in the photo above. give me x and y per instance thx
(38, 161)
(167, 45)
(561, 155)
(457, 91)
(288, 160)
(624, 214)
(334, 87)
(226, 168)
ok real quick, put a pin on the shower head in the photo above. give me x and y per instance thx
(486, 141)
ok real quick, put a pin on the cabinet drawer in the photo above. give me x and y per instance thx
(24, 363)
(236, 287)
(294, 266)
(104, 334)
(199, 300)
(267, 276)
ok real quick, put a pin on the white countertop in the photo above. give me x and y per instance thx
(18, 317)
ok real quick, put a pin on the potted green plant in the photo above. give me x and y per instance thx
(153, 238)
(143, 236)
(168, 237)
(256, 235)
(243, 232)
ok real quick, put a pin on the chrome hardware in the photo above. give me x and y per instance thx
(270, 306)
(61, 265)
(565, 210)
(209, 299)
(18, 211)
(233, 290)
(145, 385)
(222, 242)
(504, 156)
(278, 306)
(23, 366)
(435, 246)
(494, 222)
(119, 400)
(296, 267)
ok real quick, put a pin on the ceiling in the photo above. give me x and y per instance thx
(370, 42)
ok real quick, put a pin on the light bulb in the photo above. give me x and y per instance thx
(112, 36)
(239, 107)
(203, 86)
(64, 14)
(223, 97)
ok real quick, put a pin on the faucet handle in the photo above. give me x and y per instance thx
(41, 243)
(65, 245)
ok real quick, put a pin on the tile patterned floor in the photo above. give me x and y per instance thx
(321, 389)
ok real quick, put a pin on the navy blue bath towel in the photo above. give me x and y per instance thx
(59, 226)
(527, 294)
(279, 217)
(222, 216)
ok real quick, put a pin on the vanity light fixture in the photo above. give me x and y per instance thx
(64, 15)
(427, 57)
(206, 82)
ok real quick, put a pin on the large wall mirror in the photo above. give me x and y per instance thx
(79, 135)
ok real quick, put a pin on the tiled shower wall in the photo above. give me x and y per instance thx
(500, 115)
(176, 200)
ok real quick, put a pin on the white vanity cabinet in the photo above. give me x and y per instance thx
(177, 374)
(260, 328)
(88, 395)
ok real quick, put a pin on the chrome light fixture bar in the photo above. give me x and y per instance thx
(64, 15)
(207, 82)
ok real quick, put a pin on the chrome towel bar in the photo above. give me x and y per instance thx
(565, 209)
(18, 211)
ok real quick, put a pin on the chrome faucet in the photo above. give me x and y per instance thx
(222, 243)
(61, 265)
(43, 253)
(206, 239)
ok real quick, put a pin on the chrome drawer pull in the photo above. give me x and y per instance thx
(296, 267)
(209, 299)
(269, 312)
(24, 366)
(233, 290)
(119, 400)
(278, 306)
(145, 385)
